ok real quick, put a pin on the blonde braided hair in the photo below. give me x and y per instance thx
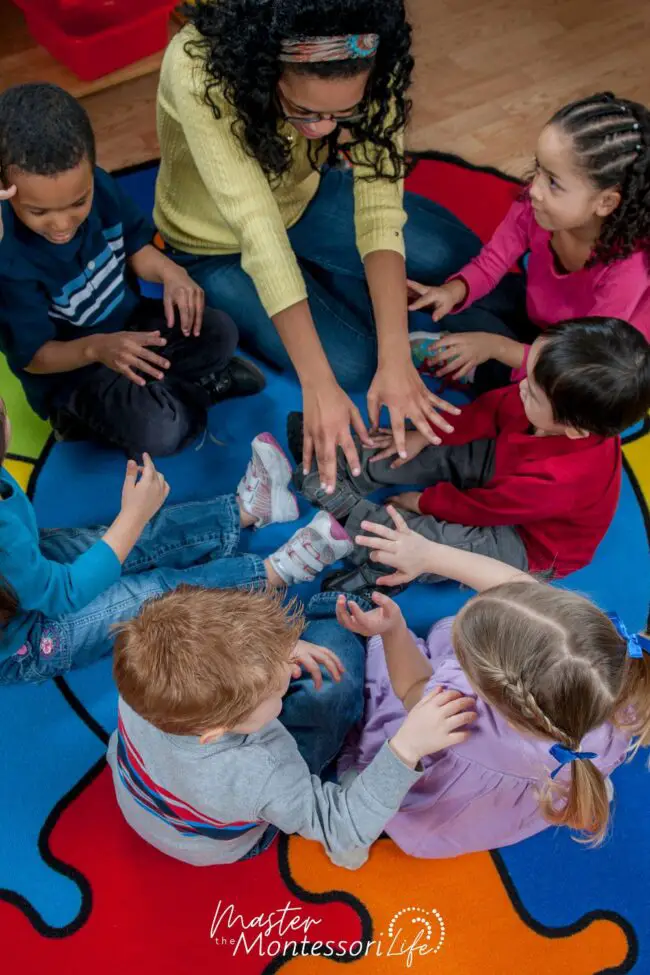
(554, 666)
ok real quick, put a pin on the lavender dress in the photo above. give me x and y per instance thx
(480, 795)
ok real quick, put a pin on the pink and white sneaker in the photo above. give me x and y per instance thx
(264, 489)
(311, 549)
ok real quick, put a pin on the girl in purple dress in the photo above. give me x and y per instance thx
(562, 691)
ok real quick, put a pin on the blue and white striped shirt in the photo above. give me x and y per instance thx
(64, 291)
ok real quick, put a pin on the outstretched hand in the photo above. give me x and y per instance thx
(373, 622)
(410, 554)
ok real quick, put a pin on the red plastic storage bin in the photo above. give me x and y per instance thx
(94, 37)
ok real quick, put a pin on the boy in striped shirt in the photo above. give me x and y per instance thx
(93, 356)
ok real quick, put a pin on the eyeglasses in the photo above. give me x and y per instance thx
(325, 117)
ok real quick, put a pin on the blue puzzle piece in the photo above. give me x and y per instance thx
(46, 749)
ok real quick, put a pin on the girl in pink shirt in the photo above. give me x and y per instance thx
(584, 220)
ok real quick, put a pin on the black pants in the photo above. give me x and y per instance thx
(162, 416)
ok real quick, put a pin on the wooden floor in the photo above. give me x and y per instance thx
(488, 74)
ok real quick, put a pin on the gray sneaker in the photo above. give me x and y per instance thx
(341, 502)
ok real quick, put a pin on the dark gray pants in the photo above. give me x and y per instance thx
(467, 466)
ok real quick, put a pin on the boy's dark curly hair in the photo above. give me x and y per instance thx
(611, 141)
(240, 43)
(43, 130)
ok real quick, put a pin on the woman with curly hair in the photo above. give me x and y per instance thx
(584, 219)
(257, 101)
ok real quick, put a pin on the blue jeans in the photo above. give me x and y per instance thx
(437, 244)
(196, 543)
(193, 543)
(320, 720)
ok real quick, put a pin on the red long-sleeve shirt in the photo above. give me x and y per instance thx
(560, 494)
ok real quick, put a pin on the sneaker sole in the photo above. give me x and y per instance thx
(284, 506)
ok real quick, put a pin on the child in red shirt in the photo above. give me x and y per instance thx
(531, 473)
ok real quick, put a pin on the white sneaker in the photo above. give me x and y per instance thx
(312, 548)
(264, 489)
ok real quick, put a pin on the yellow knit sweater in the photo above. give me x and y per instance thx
(213, 198)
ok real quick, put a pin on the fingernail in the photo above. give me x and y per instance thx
(330, 489)
(305, 471)
(323, 486)
(356, 471)
(402, 453)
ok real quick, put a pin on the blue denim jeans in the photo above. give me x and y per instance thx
(320, 720)
(193, 543)
(437, 244)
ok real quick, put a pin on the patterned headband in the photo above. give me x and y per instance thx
(341, 47)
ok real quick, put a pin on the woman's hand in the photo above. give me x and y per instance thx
(328, 414)
(181, 292)
(374, 622)
(312, 657)
(410, 554)
(384, 439)
(399, 387)
(460, 352)
(443, 299)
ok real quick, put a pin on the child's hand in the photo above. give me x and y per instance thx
(408, 501)
(5, 195)
(444, 299)
(125, 351)
(408, 553)
(373, 622)
(182, 292)
(461, 352)
(311, 657)
(142, 497)
(415, 444)
(438, 721)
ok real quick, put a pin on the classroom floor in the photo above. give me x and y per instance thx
(487, 74)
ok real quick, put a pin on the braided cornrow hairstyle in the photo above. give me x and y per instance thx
(554, 666)
(611, 142)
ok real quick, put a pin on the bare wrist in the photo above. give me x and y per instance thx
(91, 348)
(458, 290)
(404, 749)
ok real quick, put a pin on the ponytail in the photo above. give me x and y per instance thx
(584, 803)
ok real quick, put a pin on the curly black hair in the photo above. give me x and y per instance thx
(240, 43)
(611, 141)
(43, 130)
(596, 373)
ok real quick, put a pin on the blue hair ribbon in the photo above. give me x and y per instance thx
(566, 755)
(637, 645)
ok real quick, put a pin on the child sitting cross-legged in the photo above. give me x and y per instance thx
(96, 359)
(532, 472)
(562, 691)
(204, 763)
(63, 589)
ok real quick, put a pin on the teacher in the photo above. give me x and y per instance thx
(258, 102)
